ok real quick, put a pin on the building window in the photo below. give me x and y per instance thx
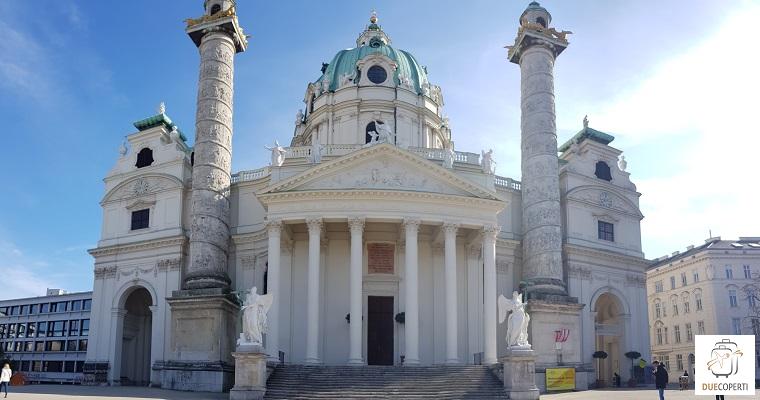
(677, 333)
(683, 278)
(689, 333)
(736, 326)
(377, 74)
(698, 300)
(44, 308)
(140, 219)
(657, 309)
(144, 158)
(672, 282)
(34, 309)
(25, 308)
(729, 272)
(700, 327)
(675, 309)
(665, 335)
(659, 335)
(42, 329)
(76, 305)
(83, 345)
(86, 304)
(52, 366)
(215, 9)
(696, 276)
(36, 366)
(658, 287)
(25, 366)
(751, 300)
(732, 298)
(54, 345)
(679, 362)
(85, 327)
(11, 331)
(74, 328)
(31, 329)
(68, 366)
(603, 171)
(747, 272)
(686, 307)
(756, 326)
(39, 346)
(606, 231)
(58, 307)
(71, 345)
(666, 361)
(29, 347)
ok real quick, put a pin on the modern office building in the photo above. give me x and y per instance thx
(46, 337)
(711, 289)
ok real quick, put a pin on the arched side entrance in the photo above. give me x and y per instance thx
(132, 366)
(610, 333)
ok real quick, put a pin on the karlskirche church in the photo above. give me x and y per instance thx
(380, 243)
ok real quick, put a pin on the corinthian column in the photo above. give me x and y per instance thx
(412, 308)
(450, 276)
(312, 323)
(274, 232)
(535, 50)
(489, 294)
(356, 226)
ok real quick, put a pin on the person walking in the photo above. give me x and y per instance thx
(719, 397)
(5, 378)
(660, 378)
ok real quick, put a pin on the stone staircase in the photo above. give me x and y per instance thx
(297, 382)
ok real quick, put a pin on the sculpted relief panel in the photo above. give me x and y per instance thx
(140, 186)
(605, 199)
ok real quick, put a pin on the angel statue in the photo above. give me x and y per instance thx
(489, 165)
(517, 323)
(385, 135)
(254, 312)
(278, 154)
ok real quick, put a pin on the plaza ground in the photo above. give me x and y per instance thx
(60, 392)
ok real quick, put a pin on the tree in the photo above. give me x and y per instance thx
(599, 355)
(632, 355)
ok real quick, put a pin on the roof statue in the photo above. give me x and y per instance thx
(161, 108)
(585, 121)
(278, 154)
(622, 163)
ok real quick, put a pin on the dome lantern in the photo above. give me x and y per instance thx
(535, 14)
(373, 30)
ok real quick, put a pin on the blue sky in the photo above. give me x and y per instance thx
(674, 81)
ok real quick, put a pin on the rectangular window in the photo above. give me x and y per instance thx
(36, 366)
(44, 308)
(31, 329)
(672, 282)
(696, 276)
(15, 310)
(689, 333)
(2, 331)
(140, 219)
(11, 331)
(85, 327)
(698, 300)
(3, 311)
(683, 278)
(657, 309)
(18, 347)
(86, 304)
(25, 308)
(39, 346)
(732, 298)
(665, 335)
(71, 345)
(68, 366)
(58, 307)
(729, 272)
(34, 309)
(606, 231)
(29, 347)
(658, 286)
(686, 307)
(675, 309)
(679, 362)
(57, 329)
(42, 329)
(80, 366)
(83, 345)
(736, 326)
(747, 272)
(74, 327)
(25, 366)
(659, 335)
(700, 327)
(52, 366)
(54, 345)
(677, 333)
(21, 330)
(666, 361)
(76, 305)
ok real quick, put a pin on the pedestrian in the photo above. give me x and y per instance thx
(719, 397)
(660, 378)
(617, 379)
(5, 378)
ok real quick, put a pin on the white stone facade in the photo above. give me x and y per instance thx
(705, 290)
(411, 221)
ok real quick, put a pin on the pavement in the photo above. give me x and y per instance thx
(61, 392)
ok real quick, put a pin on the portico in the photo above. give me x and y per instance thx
(381, 241)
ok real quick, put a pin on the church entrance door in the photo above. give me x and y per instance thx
(380, 330)
(136, 337)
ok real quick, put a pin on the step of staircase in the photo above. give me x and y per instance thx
(300, 382)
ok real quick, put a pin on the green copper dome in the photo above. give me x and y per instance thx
(374, 41)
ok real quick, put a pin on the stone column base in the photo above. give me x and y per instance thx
(520, 374)
(250, 373)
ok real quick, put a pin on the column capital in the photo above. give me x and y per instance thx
(490, 231)
(450, 227)
(356, 224)
(274, 226)
(412, 223)
(314, 224)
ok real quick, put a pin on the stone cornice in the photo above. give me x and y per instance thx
(138, 246)
(586, 251)
(249, 237)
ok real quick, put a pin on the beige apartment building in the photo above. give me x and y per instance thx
(710, 289)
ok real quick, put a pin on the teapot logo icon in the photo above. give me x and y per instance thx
(724, 359)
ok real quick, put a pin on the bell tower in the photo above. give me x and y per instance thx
(204, 312)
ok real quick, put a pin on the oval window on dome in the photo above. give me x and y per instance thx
(377, 74)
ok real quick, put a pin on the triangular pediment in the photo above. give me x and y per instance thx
(381, 167)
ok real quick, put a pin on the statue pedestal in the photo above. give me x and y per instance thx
(250, 373)
(520, 373)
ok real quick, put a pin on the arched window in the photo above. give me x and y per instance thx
(192, 159)
(311, 103)
(541, 21)
(215, 9)
(144, 158)
(603, 171)
(370, 128)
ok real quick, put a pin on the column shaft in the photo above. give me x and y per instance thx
(411, 309)
(274, 231)
(312, 323)
(450, 275)
(489, 295)
(356, 226)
